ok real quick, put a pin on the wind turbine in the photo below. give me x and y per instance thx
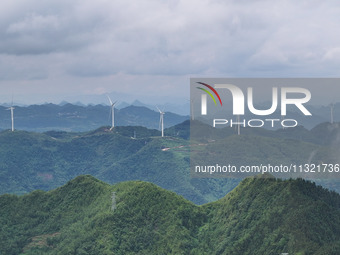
(112, 112)
(192, 109)
(332, 108)
(161, 120)
(12, 115)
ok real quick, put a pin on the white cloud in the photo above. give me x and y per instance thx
(98, 41)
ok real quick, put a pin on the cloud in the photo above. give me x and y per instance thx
(44, 30)
(174, 39)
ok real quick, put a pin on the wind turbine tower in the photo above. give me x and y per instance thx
(12, 115)
(161, 120)
(238, 126)
(332, 109)
(192, 109)
(112, 113)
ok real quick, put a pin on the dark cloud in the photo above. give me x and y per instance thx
(94, 42)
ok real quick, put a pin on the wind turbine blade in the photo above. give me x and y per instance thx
(114, 103)
(158, 109)
(109, 99)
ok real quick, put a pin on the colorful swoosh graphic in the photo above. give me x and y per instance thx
(208, 92)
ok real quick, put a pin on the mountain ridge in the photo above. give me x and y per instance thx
(260, 216)
(76, 118)
(31, 161)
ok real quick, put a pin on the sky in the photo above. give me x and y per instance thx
(80, 50)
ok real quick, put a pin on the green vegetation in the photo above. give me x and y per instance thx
(268, 216)
(261, 216)
(31, 161)
(258, 146)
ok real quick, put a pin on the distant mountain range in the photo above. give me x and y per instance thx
(31, 161)
(183, 109)
(78, 117)
(69, 117)
(86, 216)
(180, 109)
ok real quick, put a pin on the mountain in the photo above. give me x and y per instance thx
(268, 216)
(75, 118)
(87, 216)
(175, 108)
(257, 146)
(82, 218)
(31, 161)
(324, 112)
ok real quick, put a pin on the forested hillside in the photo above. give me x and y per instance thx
(87, 216)
(30, 161)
